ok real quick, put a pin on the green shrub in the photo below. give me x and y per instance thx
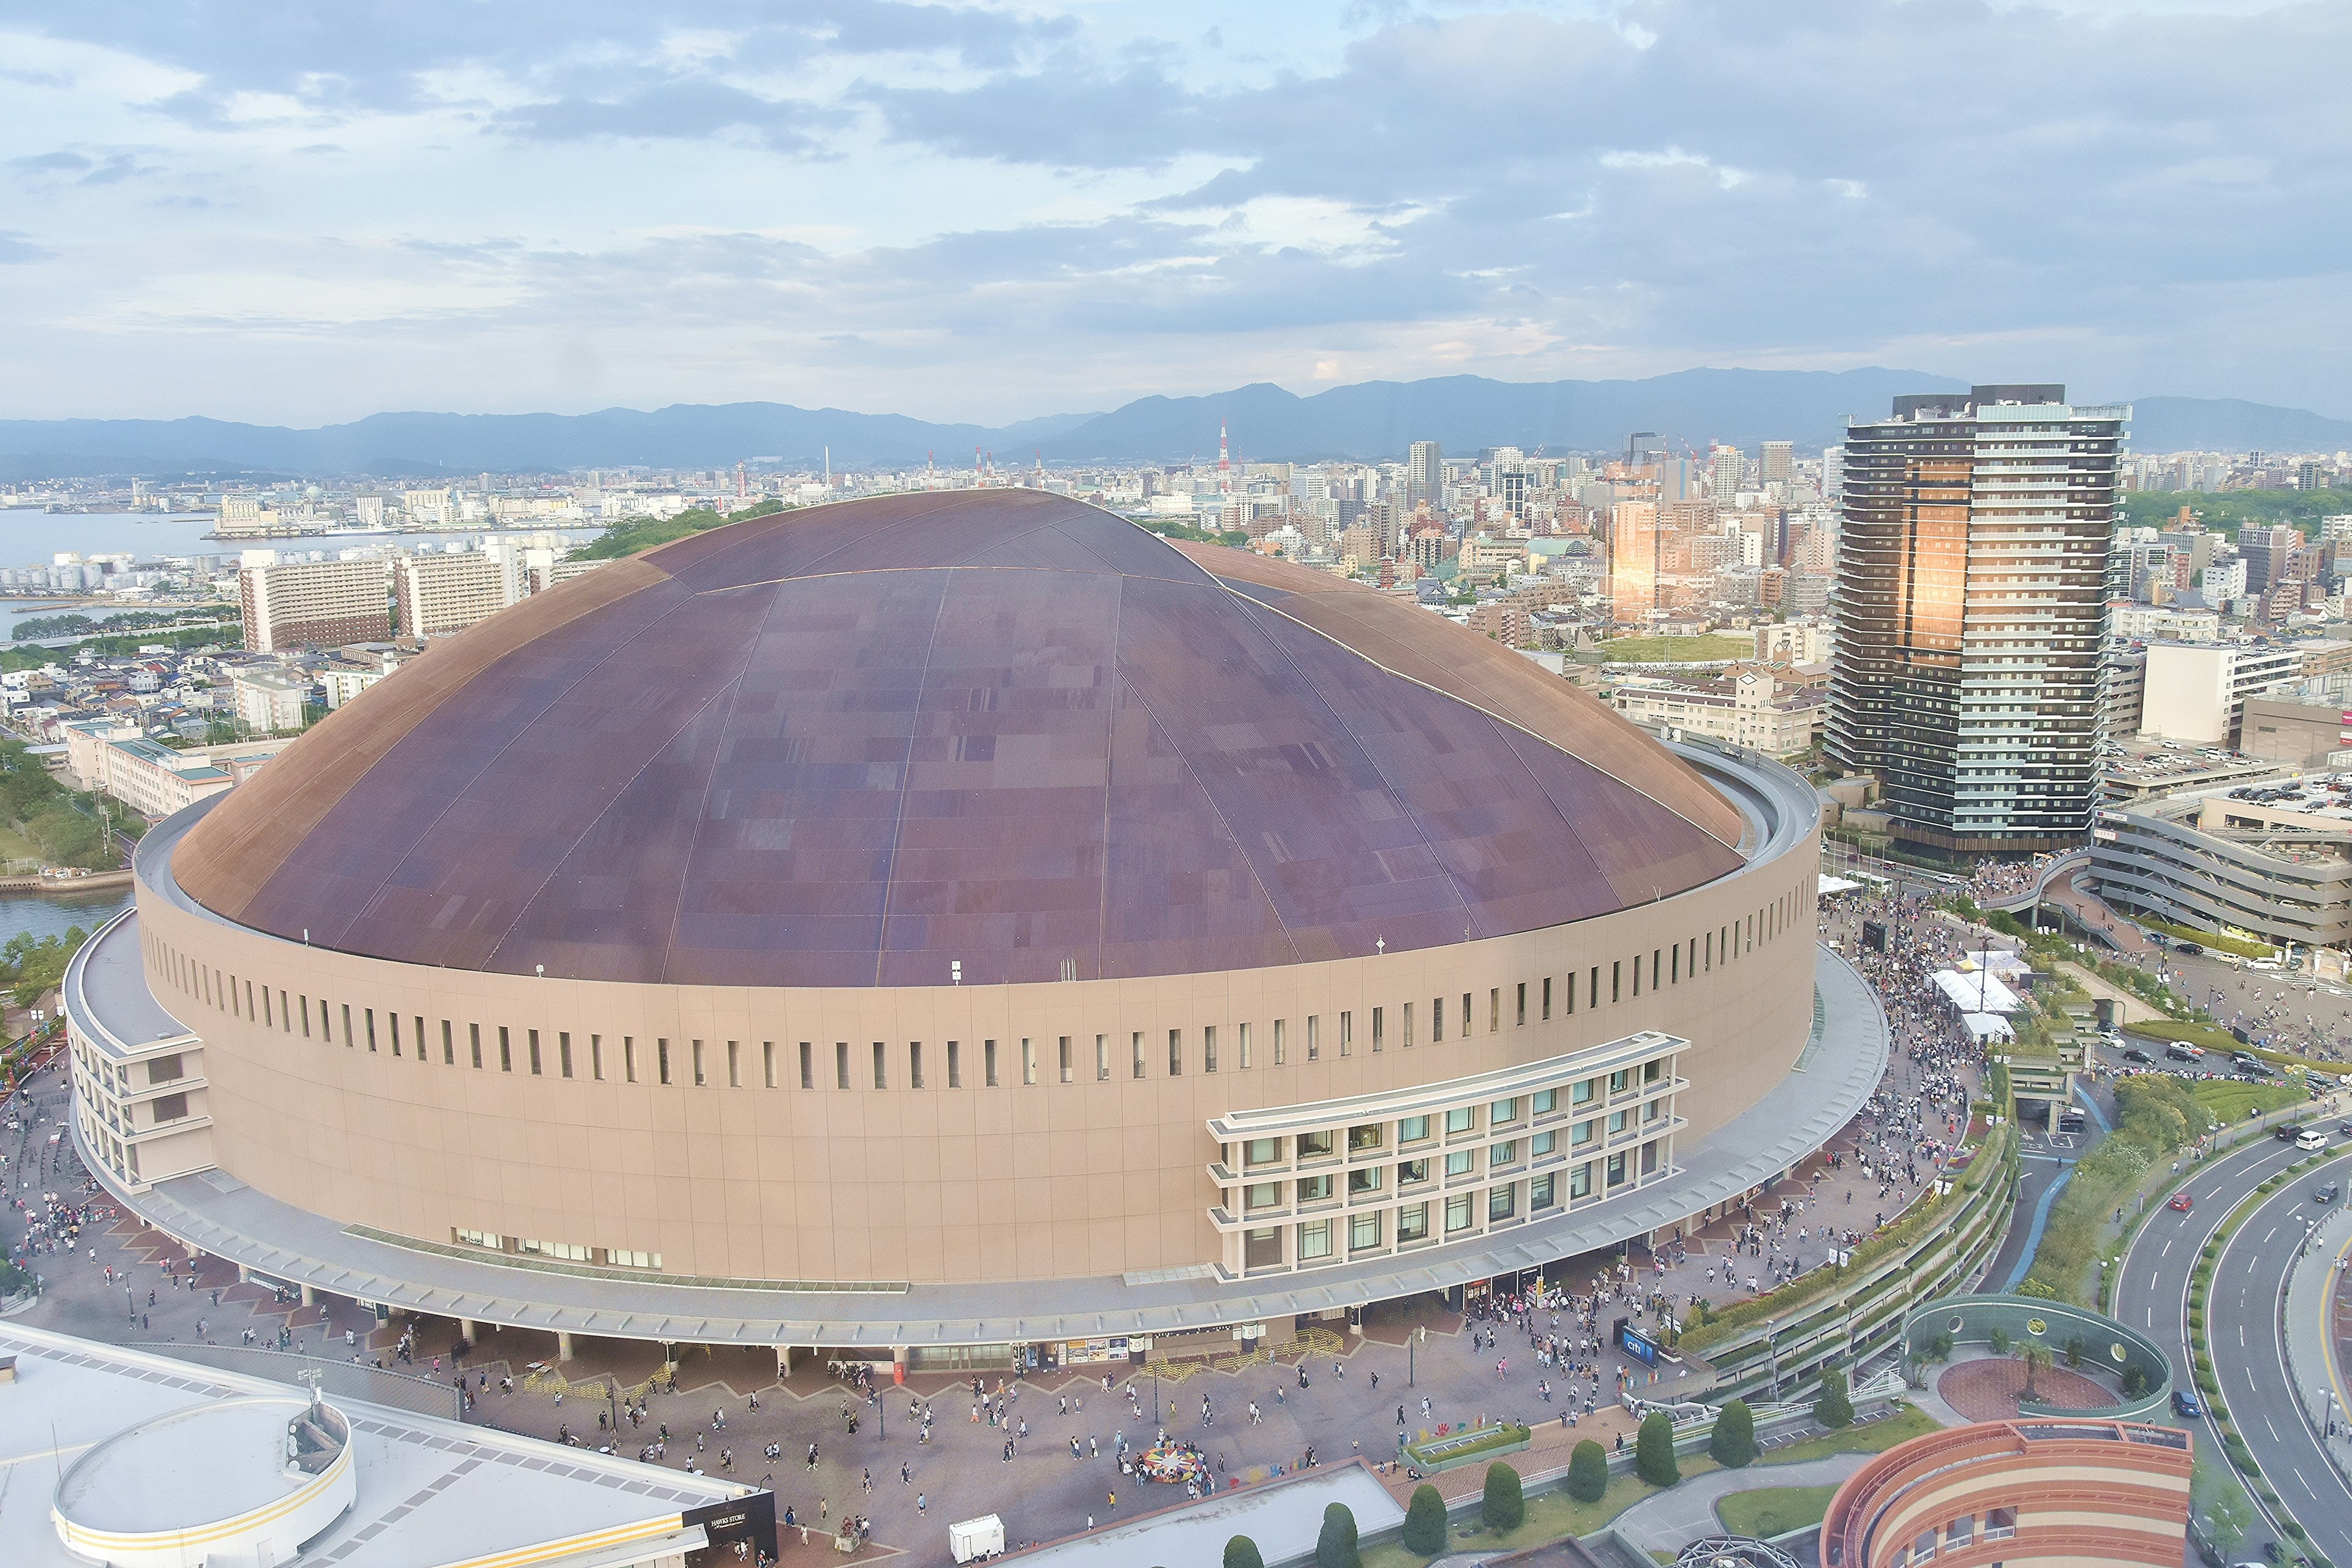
(1240, 1551)
(1424, 1521)
(2294, 1528)
(2074, 1350)
(1833, 1407)
(1998, 1341)
(1503, 1507)
(1653, 1451)
(1336, 1547)
(1732, 1444)
(1588, 1471)
(2135, 1381)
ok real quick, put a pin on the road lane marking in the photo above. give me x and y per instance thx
(2167, 1250)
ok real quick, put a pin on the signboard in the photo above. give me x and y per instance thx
(1634, 1342)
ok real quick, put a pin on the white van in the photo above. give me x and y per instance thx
(2311, 1140)
(976, 1540)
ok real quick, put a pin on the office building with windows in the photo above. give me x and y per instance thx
(1971, 568)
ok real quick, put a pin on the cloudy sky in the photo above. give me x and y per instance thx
(298, 213)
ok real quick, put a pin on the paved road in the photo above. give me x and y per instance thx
(2243, 1314)
(1680, 1515)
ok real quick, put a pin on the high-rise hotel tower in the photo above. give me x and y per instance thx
(1970, 579)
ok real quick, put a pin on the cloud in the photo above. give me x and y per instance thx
(988, 209)
(15, 248)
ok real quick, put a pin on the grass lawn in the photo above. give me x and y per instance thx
(2214, 939)
(2229, 1101)
(1773, 1510)
(1875, 1438)
(15, 845)
(1677, 650)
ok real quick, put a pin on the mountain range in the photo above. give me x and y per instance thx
(1370, 420)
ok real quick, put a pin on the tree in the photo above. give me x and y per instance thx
(1732, 1444)
(1588, 1471)
(1336, 1547)
(1833, 1408)
(1503, 1507)
(1240, 1551)
(1653, 1451)
(1424, 1521)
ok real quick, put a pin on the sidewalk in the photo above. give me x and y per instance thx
(2315, 1297)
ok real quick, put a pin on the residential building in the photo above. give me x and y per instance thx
(269, 701)
(1424, 477)
(156, 779)
(1780, 464)
(1633, 548)
(2147, 623)
(315, 603)
(438, 594)
(1970, 570)
(1747, 708)
(353, 669)
(1793, 642)
(2197, 691)
(2270, 555)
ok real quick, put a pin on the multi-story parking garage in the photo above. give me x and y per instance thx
(960, 922)
(2273, 857)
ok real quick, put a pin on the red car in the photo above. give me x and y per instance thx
(2180, 1203)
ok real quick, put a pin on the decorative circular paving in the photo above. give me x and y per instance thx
(1987, 1389)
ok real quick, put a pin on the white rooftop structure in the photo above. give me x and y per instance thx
(1980, 993)
(135, 1455)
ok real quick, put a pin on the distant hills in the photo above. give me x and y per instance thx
(1370, 420)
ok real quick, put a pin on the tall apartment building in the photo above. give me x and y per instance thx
(1724, 469)
(2272, 555)
(1634, 542)
(436, 594)
(317, 602)
(1424, 477)
(1779, 462)
(1970, 574)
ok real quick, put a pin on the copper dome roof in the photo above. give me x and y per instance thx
(843, 747)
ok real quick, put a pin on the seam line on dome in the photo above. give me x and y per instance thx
(1405, 806)
(906, 777)
(1273, 906)
(1456, 696)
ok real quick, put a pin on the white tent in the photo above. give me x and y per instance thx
(1978, 992)
(1983, 1026)
(1829, 884)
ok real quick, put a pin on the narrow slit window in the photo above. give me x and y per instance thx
(881, 1073)
(1437, 1020)
(420, 1036)
(596, 1057)
(448, 1046)
(1028, 1060)
(1102, 1058)
(1069, 1069)
(1209, 1048)
(506, 1051)
(1136, 1046)
(396, 1033)
(661, 1058)
(1347, 1032)
(1241, 1046)
(347, 1026)
(533, 1041)
(988, 1063)
(1547, 997)
(914, 1064)
(1519, 1017)
(1175, 1053)
(564, 1052)
(694, 1057)
(841, 1064)
(1377, 1041)
(955, 1064)
(808, 1065)
(734, 1071)
(766, 1064)
(629, 1058)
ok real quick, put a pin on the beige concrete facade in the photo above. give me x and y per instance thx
(565, 1134)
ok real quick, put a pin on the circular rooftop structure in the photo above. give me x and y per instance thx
(851, 746)
(245, 1480)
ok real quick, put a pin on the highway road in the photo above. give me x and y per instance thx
(2243, 1317)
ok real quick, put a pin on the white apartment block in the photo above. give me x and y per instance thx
(316, 603)
(1749, 709)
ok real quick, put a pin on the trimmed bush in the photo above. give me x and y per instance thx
(1503, 1507)
(1732, 1444)
(1588, 1471)
(1336, 1547)
(1240, 1551)
(1653, 1451)
(1424, 1521)
(1834, 1407)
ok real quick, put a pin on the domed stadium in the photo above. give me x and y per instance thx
(832, 928)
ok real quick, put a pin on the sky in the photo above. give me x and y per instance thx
(304, 214)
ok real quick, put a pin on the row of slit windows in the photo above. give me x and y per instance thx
(632, 1063)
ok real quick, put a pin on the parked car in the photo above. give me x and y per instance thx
(2182, 1051)
(2192, 949)
(2181, 1203)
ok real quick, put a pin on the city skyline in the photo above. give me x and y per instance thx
(982, 214)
